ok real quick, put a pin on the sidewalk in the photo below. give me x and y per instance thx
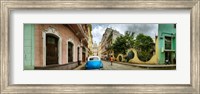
(81, 67)
(148, 65)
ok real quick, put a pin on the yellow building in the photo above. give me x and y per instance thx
(90, 41)
(95, 49)
(99, 50)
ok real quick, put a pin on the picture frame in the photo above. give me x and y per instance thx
(8, 5)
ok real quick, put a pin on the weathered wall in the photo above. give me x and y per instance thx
(29, 46)
(66, 36)
(166, 30)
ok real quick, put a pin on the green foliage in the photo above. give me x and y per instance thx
(123, 43)
(144, 45)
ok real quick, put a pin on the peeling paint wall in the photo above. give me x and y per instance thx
(166, 30)
(29, 30)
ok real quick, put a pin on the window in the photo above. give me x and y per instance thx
(168, 43)
(51, 40)
(83, 49)
(94, 58)
(70, 52)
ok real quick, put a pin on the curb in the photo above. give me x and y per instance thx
(80, 67)
(148, 66)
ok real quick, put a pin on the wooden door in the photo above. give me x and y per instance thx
(51, 50)
(83, 57)
(70, 52)
(78, 54)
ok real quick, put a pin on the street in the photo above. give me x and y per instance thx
(115, 66)
(119, 66)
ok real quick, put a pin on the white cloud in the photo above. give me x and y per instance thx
(97, 32)
(119, 27)
(147, 29)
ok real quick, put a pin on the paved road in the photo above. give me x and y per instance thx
(116, 66)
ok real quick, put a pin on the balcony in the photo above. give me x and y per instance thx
(79, 31)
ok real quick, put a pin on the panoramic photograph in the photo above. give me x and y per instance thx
(99, 46)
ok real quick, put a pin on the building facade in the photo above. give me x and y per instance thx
(55, 46)
(167, 43)
(99, 50)
(90, 40)
(108, 39)
(95, 49)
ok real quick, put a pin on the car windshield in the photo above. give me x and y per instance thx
(94, 58)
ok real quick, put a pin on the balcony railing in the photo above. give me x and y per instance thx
(79, 32)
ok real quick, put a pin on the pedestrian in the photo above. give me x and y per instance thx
(111, 60)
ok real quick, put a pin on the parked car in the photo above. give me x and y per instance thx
(93, 62)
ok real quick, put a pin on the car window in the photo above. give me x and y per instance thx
(94, 58)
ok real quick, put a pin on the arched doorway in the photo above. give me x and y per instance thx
(51, 32)
(120, 58)
(51, 49)
(70, 51)
(130, 55)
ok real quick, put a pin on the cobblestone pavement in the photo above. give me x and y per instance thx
(116, 66)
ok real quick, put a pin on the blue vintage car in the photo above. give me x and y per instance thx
(93, 62)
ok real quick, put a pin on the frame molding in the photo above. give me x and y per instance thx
(8, 5)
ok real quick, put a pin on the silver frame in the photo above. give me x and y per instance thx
(8, 5)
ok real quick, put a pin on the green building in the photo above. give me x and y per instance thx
(29, 30)
(167, 44)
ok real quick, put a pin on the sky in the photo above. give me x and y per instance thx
(147, 29)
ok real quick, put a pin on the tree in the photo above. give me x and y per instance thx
(144, 45)
(123, 43)
(129, 37)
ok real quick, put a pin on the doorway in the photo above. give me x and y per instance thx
(83, 54)
(168, 59)
(70, 52)
(78, 56)
(120, 58)
(51, 49)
